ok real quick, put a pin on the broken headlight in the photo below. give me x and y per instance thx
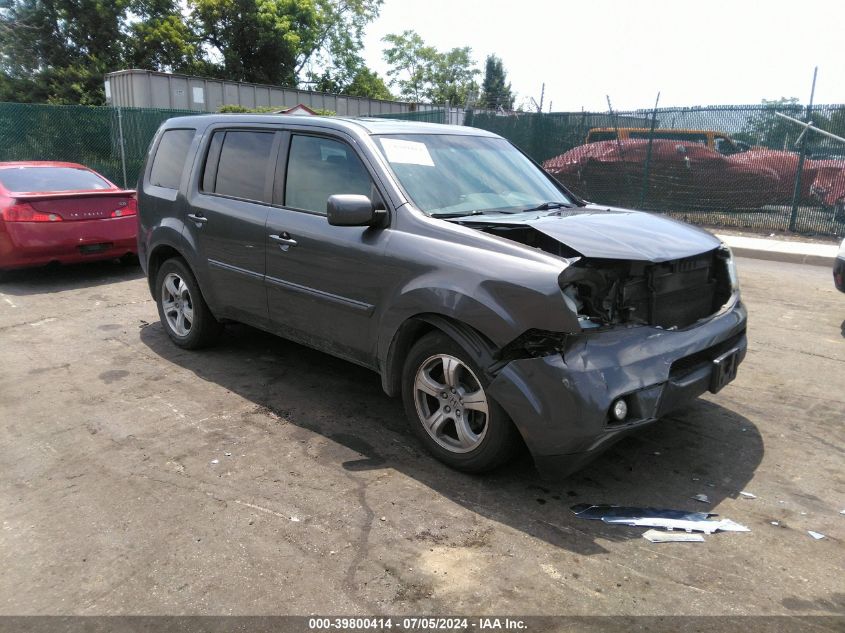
(727, 256)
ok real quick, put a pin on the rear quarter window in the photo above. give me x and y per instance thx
(170, 157)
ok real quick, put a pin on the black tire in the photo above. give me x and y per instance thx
(204, 328)
(500, 438)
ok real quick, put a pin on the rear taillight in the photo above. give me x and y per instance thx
(23, 212)
(131, 208)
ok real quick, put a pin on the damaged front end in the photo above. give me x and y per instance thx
(655, 333)
(669, 295)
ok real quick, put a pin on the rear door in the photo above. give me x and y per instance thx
(324, 283)
(226, 219)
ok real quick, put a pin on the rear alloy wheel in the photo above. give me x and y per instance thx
(181, 308)
(446, 401)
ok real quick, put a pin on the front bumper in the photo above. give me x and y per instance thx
(561, 403)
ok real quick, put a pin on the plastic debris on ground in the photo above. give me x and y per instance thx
(816, 535)
(681, 520)
(656, 536)
(747, 495)
(701, 498)
(708, 527)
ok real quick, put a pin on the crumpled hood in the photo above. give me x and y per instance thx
(611, 233)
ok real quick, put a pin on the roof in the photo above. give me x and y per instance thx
(353, 125)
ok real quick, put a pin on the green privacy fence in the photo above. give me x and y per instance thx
(722, 166)
(113, 141)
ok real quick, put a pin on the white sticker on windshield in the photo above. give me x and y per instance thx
(409, 152)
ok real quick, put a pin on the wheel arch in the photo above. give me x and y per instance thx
(479, 347)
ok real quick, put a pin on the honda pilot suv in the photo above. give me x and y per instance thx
(501, 307)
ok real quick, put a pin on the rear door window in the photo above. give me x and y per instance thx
(320, 167)
(170, 158)
(241, 171)
(48, 179)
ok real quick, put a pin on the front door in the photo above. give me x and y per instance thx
(324, 283)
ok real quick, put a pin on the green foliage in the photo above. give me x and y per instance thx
(495, 89)
(238, 109)
(363, 83)
(422, 73)
(275, 41)
(369, 84)
(231, 108)
(57, 51)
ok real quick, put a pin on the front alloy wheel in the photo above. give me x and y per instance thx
(451, 403)
(450, 411)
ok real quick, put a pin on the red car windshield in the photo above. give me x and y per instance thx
(49, 179)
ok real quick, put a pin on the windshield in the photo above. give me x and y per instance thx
(460, 175)
(50, 179)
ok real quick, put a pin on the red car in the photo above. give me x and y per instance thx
(62, 212)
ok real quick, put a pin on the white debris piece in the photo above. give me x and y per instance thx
(215, 461)
(816, 535)
(702, 498)
(708, 527)
(747, 495)
(656, 536)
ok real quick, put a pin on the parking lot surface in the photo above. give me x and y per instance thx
(260, 477)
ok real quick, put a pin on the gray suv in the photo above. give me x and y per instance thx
(501, 307)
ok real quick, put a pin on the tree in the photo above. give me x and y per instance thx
(423, 73)
(368, 84)
(58, 50)
(410, 63)
(160, 38)
(273, 41)
(495, 89)
(453, 77)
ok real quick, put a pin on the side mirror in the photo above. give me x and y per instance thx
(353, 210)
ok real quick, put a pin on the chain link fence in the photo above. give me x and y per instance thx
(112, 141)
(722, 166)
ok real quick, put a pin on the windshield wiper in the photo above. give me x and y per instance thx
(548, 206)
(460, 214)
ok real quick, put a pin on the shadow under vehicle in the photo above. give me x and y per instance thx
(702, 448)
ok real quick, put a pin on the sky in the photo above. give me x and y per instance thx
(693, 53)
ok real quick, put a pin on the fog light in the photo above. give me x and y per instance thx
(620, 410)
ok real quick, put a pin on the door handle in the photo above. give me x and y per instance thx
(199, 219)
(284, 240)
